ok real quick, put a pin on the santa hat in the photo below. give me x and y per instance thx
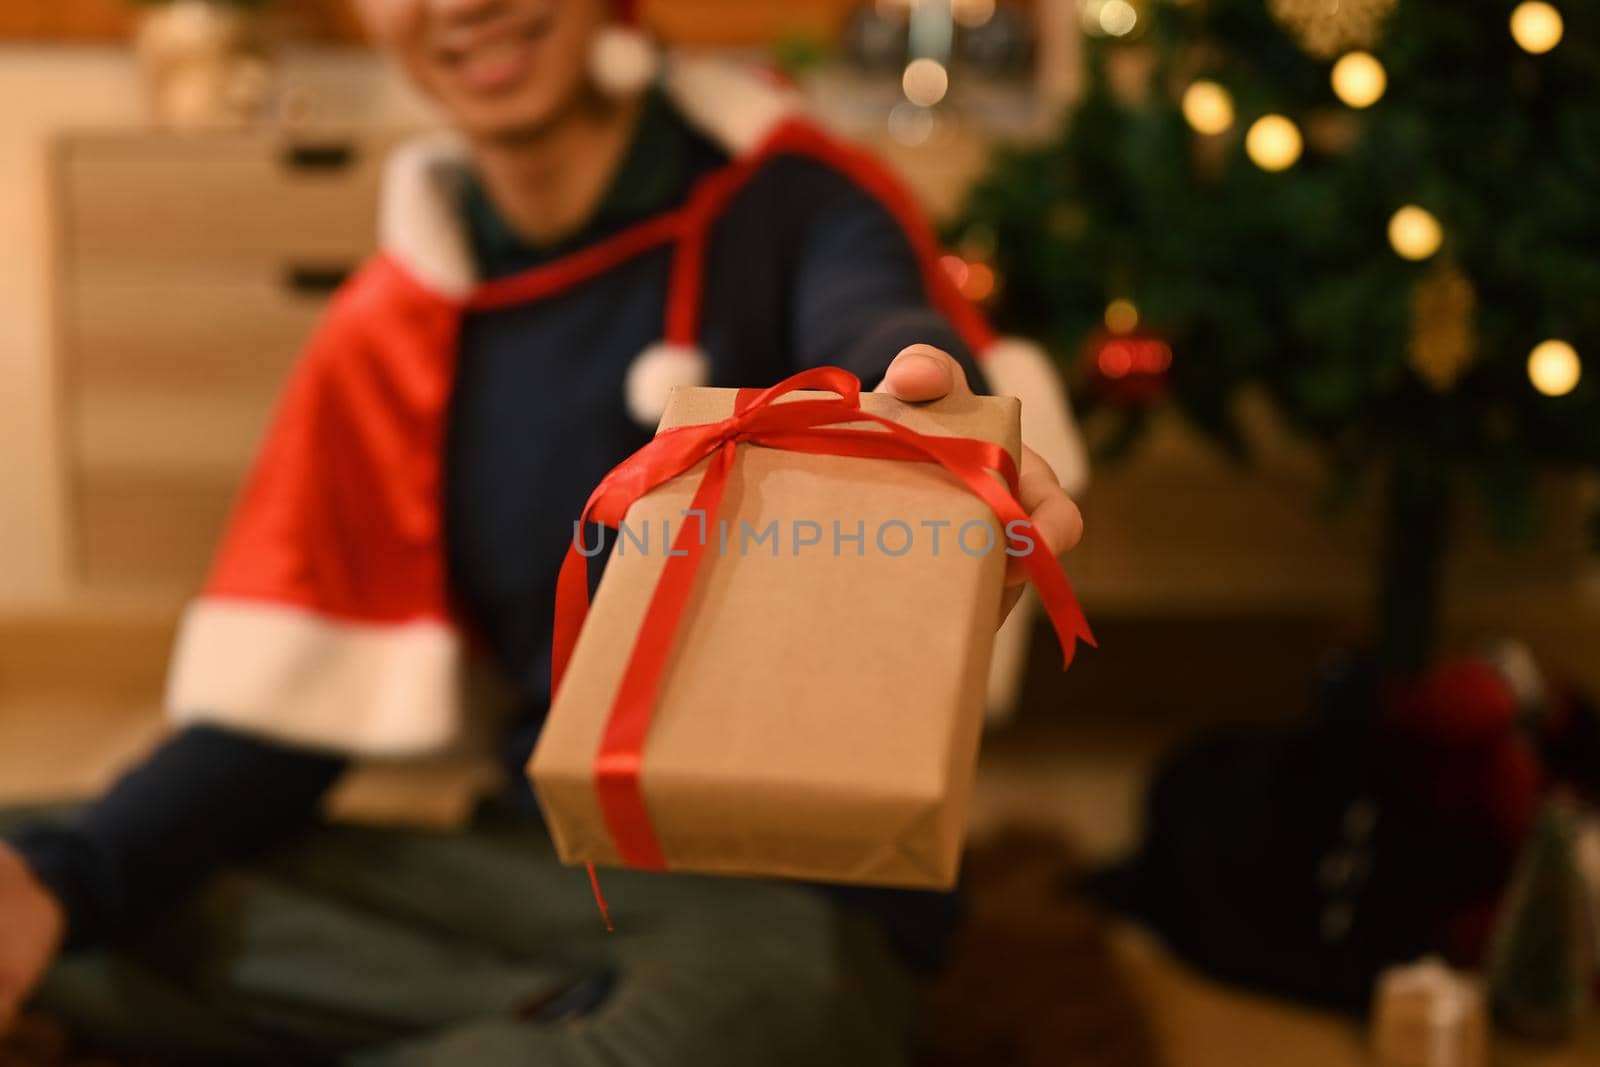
(623, 60)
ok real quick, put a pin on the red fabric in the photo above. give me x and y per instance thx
(1455, 733)
(801, 426)
(341, 514)
(550, 279)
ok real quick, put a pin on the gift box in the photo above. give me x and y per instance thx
(782, 672)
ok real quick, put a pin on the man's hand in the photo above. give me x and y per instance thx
(922, 372)
(31, 927)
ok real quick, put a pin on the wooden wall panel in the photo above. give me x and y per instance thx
(192, 271)
(106, 20)
(711, 23)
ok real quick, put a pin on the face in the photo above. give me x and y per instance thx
(501, 69)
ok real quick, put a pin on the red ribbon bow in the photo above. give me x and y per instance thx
(811, 426)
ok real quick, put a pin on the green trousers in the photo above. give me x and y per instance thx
(399, 947)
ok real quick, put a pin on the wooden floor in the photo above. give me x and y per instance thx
(78, 701)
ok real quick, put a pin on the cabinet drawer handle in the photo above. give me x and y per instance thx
(323, 158)
(316, 280)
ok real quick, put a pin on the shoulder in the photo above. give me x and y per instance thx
(806, 176)
(379, 313)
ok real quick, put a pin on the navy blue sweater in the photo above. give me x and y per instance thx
(803, 269)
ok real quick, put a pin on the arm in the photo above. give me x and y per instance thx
(860, 304)
(204, 798)
(859, 296)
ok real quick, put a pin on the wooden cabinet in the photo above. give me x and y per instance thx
(191, 270)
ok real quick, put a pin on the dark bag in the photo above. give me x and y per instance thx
(1302, 860)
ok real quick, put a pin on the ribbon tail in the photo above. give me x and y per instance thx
(1060, 603)
(600, 899)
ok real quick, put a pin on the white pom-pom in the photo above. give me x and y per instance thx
(653, 374)
(622, 60)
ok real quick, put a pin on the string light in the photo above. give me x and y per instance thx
(980, 282)
(925, 81)
(1536, 26)
(1273, 142)
(1109, 18)
(1207, 107)
(1359, 79)
(975, 279)
(1122, 316)
(1122, 356)
(1554, 367)
(1415, 233)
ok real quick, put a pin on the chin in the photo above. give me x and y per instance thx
(516, 111)
(508, 118)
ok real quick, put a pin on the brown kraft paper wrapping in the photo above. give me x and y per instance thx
(820, 712)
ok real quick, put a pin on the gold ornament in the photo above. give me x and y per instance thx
(1325, 28)
(1122, 316)
(1444, 335)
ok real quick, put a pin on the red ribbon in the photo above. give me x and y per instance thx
(810, 426)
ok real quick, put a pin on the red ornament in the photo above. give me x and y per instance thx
(1126, 368)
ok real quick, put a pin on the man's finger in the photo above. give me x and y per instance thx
(1057, 522)
(923, 372)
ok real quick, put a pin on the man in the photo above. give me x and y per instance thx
(465, 392)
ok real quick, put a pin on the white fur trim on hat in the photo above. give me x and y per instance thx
(1020, 368)
(419, 212)
(654, 373)
(729, 102)
(623, 61)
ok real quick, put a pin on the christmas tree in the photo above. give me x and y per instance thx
(1381, 212)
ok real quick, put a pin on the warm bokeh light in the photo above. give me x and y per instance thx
(1273, 142)
(925, 82)
(1123, 356)
(1118, 18)
(975, 279)
(1536, 26)
(980, 283)
(1415, 233)
(1554, 368)
(1122, 316)
(1359, 79)
(1208, 107)
(972, 13)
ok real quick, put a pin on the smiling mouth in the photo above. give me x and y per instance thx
(492, 61)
